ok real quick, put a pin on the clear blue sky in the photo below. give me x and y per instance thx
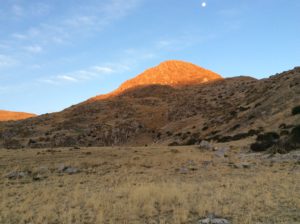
(55, 53)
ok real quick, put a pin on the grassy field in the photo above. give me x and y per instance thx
(147, 185)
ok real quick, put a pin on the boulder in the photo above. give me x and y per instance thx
(222, 152)
(214, 221)
(67, 169)
(206, 145)
(183, 170)
(71, 170)
(16, 175)
(39, 177)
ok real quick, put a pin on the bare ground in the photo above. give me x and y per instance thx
(148, 185)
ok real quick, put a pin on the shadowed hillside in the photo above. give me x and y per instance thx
(175, 103)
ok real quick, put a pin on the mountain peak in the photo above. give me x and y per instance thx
(172, 73)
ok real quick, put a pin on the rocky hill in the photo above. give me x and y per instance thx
(10, 115)
(171, 73)
(175, 103)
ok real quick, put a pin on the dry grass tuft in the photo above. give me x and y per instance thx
(114, 187)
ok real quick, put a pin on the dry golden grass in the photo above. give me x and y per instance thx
(147, 185)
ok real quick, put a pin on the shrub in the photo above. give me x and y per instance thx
(169, 133)
(184, 136)
(205, 128)
(268, 137)
(284, 133)
(214, 132)
(191, 141)
(259, 147)
(224, 138)
(240, 136)
(31, 141)
(215, 138)
(295, 135)
(257, 105)
(296, 110)
(253, 132)
(235, 127)
(251, 117)
(265, 141)
(282, 126)
(290, 142)
(233, 113)
(243, 108)
(233, 138)
(174, 144)
(12, 144)
(282, 147)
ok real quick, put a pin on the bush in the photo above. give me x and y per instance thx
(233, 113)
(284, 133)
(205, 128)
(282, 126)
(174, 144)
(268, 137)
(224, 138)
(259, 146)
(291, 141)
(191, 141)
(296, 110)
(243, 108)
(235, 127)
(169, 133)
(240, 136)
(237, 137)
(265, 141)
(12, 144)
(295, 135)
(282, 147)
(253, 132)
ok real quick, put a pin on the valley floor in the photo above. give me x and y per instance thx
(147, 185)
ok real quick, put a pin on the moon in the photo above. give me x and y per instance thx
(203, 4)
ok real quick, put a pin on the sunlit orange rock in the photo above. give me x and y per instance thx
(14, 116)
(172, 73)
